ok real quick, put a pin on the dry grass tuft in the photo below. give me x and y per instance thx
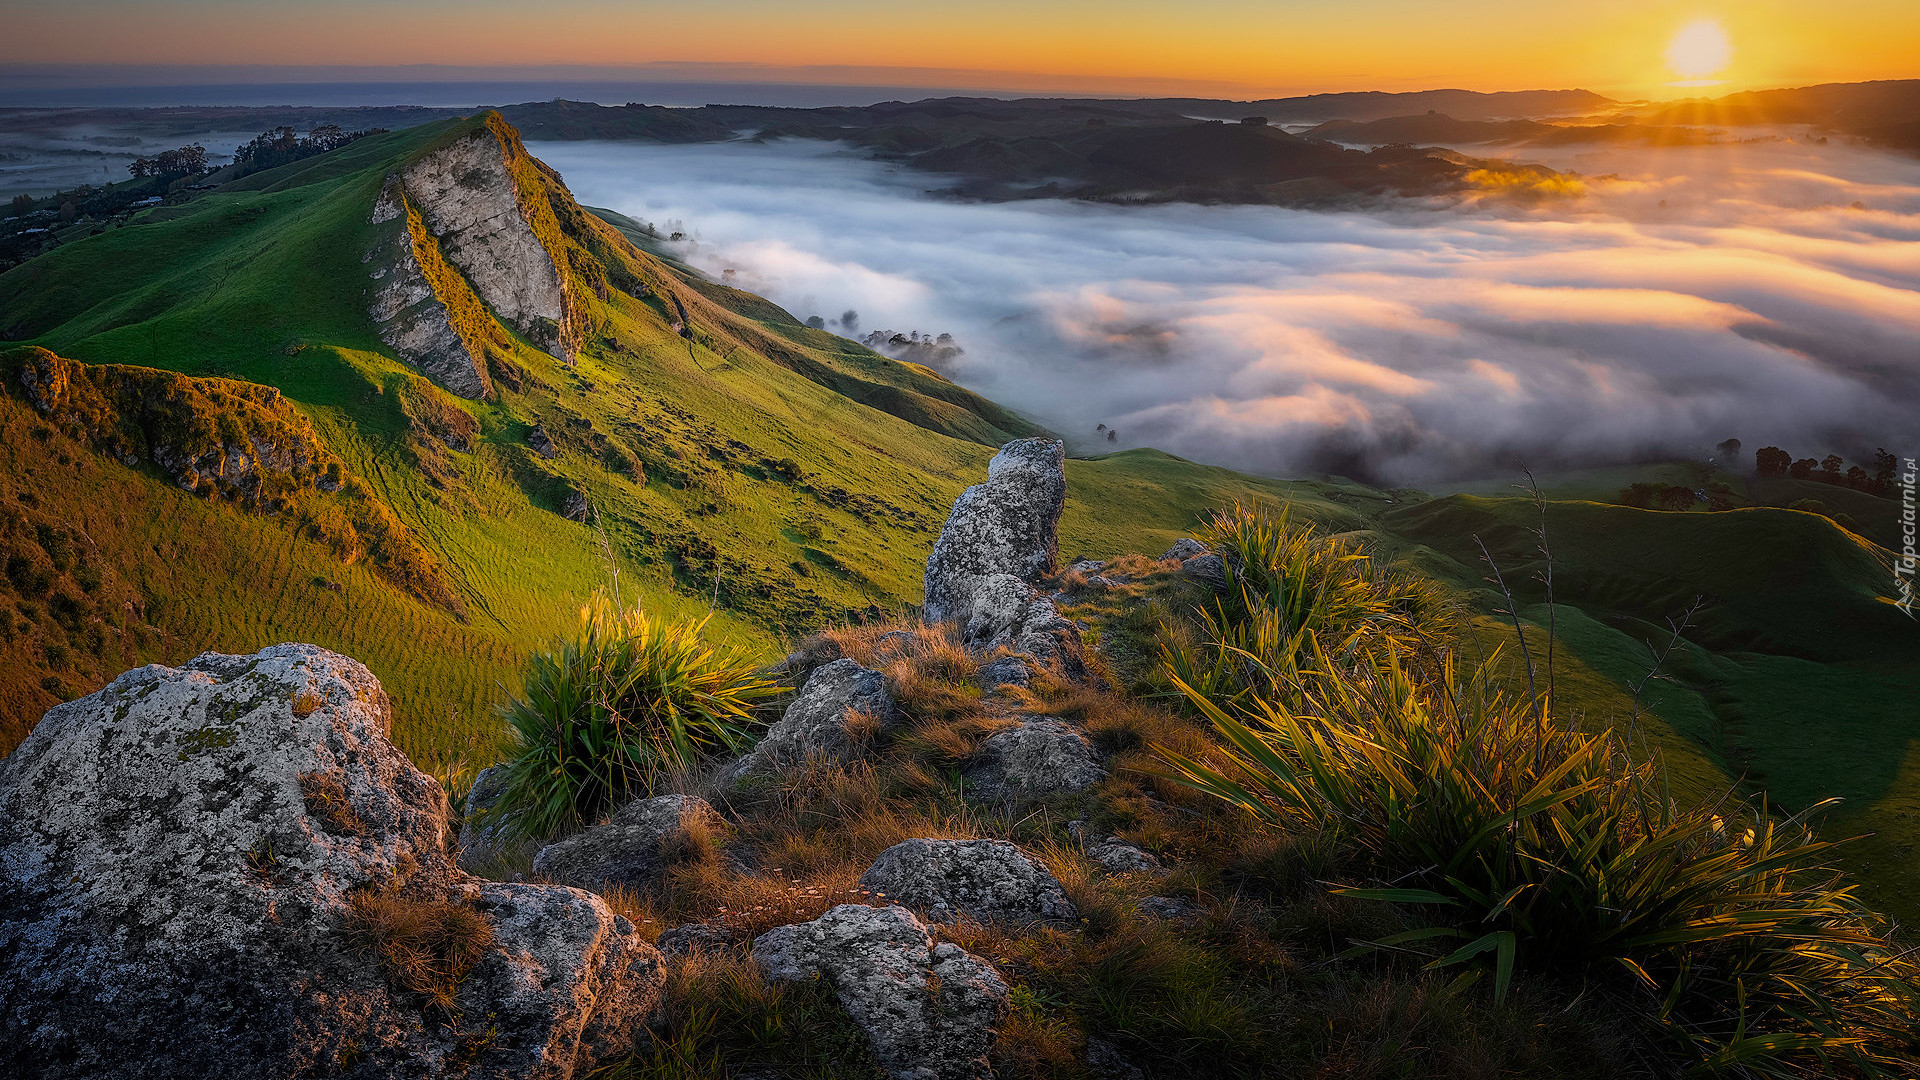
(326, 800)
(426, 947)
(306, 703)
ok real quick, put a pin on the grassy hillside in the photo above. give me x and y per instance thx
(787, 479)
(784, 476)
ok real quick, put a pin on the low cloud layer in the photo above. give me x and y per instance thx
(1768, 291)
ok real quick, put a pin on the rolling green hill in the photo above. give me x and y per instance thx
(734, 458)
(721, 456)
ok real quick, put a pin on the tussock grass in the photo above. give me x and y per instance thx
(1517, 845)
(607, 713)
(425, 947)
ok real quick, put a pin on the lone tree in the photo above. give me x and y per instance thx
(849, 320)
(1727, 450)
(1771, 461)
(1803, 469)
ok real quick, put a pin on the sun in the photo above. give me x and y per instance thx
(1698, 52)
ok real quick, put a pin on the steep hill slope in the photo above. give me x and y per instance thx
(486, 363)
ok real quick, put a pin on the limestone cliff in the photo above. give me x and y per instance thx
(470, 236)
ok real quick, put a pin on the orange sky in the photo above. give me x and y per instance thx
(1213, 47)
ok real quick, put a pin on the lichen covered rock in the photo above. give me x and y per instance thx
(634, 848)
(1040, 757)
(929, 1011)
(989, 880)
(190, 860)
(1006, 526)
(1001, 538)
(817, 723)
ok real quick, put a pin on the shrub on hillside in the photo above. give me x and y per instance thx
(607, 713)
(1530, 847)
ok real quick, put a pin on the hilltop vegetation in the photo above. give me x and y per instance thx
(719, 455)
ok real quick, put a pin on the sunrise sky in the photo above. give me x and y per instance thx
(1212, 47)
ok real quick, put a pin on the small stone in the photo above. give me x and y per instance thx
(1040, 757)
(1116, 856)
(692, 937)
(1105, 1062)
(1183, 549)
(1207, 569)
(634, 848)
(1167, 907)
(574, 506)
(1087, 566)
(480, 834)
(989, 880)
(1006, 671)
(541, 442)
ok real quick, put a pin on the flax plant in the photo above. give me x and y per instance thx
(608, 713)
(1521, 847)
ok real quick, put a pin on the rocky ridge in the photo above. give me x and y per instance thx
(213, 436)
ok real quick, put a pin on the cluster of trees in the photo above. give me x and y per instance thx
(1773, 461)
(180, 161)
(1658, 496)
(281, 146)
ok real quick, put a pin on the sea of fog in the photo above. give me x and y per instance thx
(1765, 291)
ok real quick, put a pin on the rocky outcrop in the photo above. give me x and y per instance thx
(929, 1011)
(1042, 756)
(989, 880)
(634, 848)
(822, 721)
(1000, 539)
(416, 300)
(470, 237)
(467, 193)
(219, 437)
(205, 866)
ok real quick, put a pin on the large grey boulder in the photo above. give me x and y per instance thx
(989, 880)
(1040, 757)
(929, 1011)
(817, 723)
(190, 858)
(1008, 525)
(999, 540)
(634, 848)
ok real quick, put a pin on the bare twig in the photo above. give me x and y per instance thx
(1545, 576)
(1513, 610)
(1659, 660)
(613, 564)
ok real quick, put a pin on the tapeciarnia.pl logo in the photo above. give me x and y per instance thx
(1903, 567)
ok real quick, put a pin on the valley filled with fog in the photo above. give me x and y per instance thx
(1765, 290)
